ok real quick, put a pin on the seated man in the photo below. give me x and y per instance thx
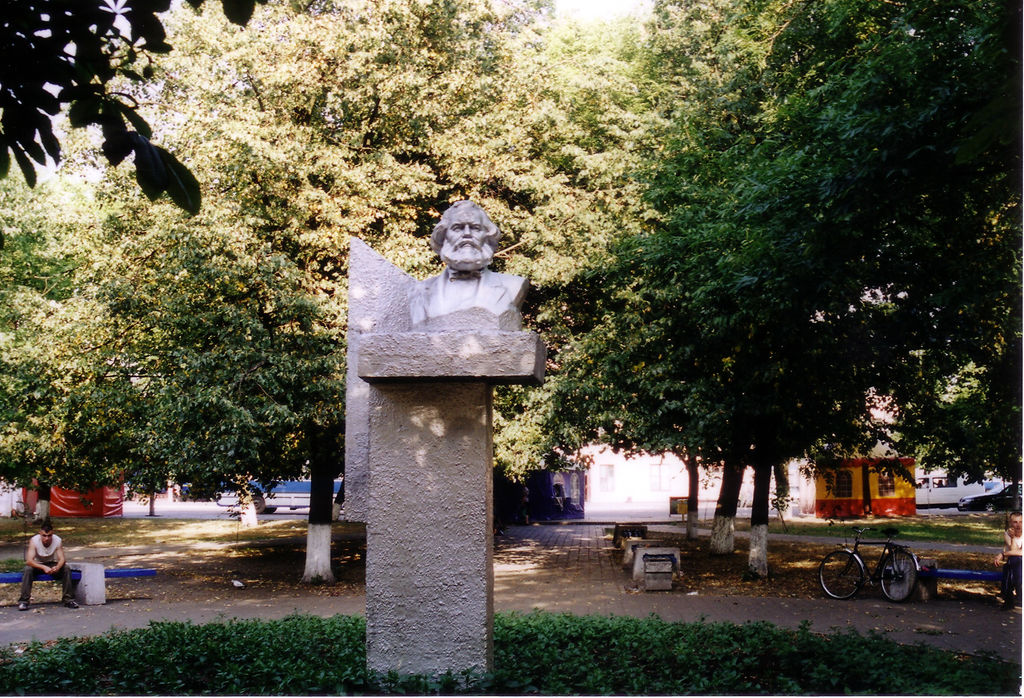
(45, 555)
(1010, 560)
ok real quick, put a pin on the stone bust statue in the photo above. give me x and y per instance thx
(467, 295)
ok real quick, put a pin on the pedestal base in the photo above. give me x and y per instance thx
(429, 577)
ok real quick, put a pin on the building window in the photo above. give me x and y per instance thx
(886, 486)
(606, 478)
(844, 484)
(659, 483)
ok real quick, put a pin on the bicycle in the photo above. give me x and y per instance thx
(842, 573)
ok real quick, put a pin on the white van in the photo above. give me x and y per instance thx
(936, 489)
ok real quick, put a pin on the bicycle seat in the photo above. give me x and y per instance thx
(890, 532)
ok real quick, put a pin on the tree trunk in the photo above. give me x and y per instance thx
(152, 502)
(324, 465)
(723, 530)
(782, 501)
(247, 514)
(693, 500)
(318, 555)
(760, 510)
(43, 502)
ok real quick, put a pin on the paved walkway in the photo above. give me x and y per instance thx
(571, 569)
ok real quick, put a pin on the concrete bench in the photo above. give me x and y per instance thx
(624, 531)
(930, 573)
(630, 546)
(659, 570)
(638, 560)
(90, 579)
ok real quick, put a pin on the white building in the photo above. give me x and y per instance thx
(615, 478)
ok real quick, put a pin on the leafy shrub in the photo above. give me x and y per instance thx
(536, 653)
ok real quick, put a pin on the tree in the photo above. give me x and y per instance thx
(826, 218)
(60, 53)
(46, 326)
(225, 331)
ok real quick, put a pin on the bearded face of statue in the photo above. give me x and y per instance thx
(466, 246)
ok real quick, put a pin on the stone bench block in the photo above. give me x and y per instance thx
(630, 547)
(659, 570)
(91, 589)
(623, 531)
(638, 560)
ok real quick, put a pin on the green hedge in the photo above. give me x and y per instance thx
(538, 653)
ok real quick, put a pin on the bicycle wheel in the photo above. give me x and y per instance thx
(899, 575)
(841, 574)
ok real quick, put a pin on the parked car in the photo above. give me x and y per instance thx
(1007, 499)
(293, 494)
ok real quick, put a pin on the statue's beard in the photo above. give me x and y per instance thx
(466, 255)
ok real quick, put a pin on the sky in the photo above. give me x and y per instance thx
(585, 10)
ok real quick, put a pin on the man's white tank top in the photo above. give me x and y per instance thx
(45, 552)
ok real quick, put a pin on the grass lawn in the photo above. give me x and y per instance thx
(119, 532)
(983, 528)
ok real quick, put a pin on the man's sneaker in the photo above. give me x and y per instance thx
(71, 604)
(22, 605)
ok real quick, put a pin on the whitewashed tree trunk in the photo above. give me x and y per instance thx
(247, 516)
(691, 524)
(758, 559)
(318, 555)
(42, 510)
(723, 535)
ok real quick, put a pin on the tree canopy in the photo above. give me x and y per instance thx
(838, 262)
(70, 55)
(222, 333)
(756, 229)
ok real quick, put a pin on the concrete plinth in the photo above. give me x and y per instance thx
(422, 360)
(494, 357)
(91, 589)
(638, 560)
(429, 578)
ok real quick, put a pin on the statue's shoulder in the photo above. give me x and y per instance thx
(421, 290)
(516, 286)
(420, 295)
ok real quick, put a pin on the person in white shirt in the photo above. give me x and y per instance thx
(45, 555)
(1010, 560)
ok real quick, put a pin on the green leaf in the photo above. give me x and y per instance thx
(116, 147)
(27, 169)
(239, 11)
(182, 186)
(150, 172)
(84, 111)
(50, 142)
(137, 121)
